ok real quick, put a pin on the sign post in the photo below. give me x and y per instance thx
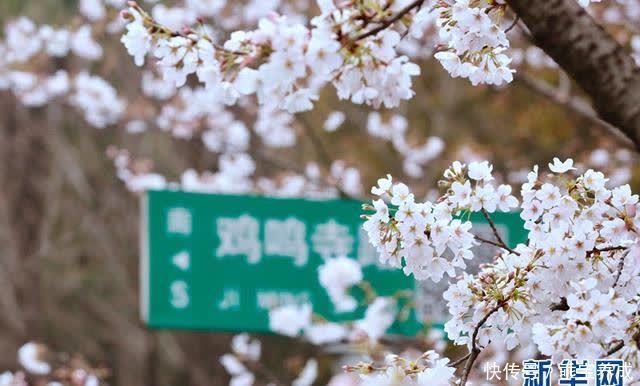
(220, 262)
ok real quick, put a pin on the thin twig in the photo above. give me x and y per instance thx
(496, 233)
(620, 268)
(233, 52)
(515, 22)
(386, 23)
(575, 104)
(606, 249)
(491, 242)
(288, 165)
(460, 360)
(259, 367)
(323, 154)
(614, 349)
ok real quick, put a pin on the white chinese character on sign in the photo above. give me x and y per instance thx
(287, 238)
(268, 299)
(230, 299)
(179, 221)
(332, 240)
(179, 294)
(239, 236)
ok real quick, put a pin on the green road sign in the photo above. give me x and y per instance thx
(220, 262)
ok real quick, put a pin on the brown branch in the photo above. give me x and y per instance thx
(457, 362)
(491, 242)
(608, 249)
(515, 22)
(475, 350)
(574, 104)
(232, 52)
(259, 367)
(615, 348)
(501, 242)
(562, 305)
(386, 23)
(620, 268)
(323, 154)
(595, 251)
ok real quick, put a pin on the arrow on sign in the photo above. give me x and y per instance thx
(182, 260)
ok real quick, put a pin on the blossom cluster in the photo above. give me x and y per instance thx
(246, 354)
(244, 350)
(34, 358)
(395, 131)
(593, 317)
(94, 98)
(190, 112)
(293, 320)
(476, 42)
(235, 175)
(426, 370)
(578, 233)
(430, 239)
(571, 288)
(342, 47)
(24, 40)
(283, 62)
(337, 275)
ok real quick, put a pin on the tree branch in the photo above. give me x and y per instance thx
(460, 360)
(501, 242)
(515, 22)
(620, 268)
(615, 348)
(592, 57)
(386, 23)
(490, 242)
(475, 350)
(321, 150)
(576, 105)
(562, 305)
(288, 165)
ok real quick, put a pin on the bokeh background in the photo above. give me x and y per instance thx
(69, 227)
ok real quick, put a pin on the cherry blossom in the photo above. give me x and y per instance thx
(561, 167)
(337, 275)
(425, 238)
(428, 369)
(308, 374)
(475, 42)
(30, 357)
(290, 320)
(378, 317)
(334, 120)
(571, 287)
(244, 351)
